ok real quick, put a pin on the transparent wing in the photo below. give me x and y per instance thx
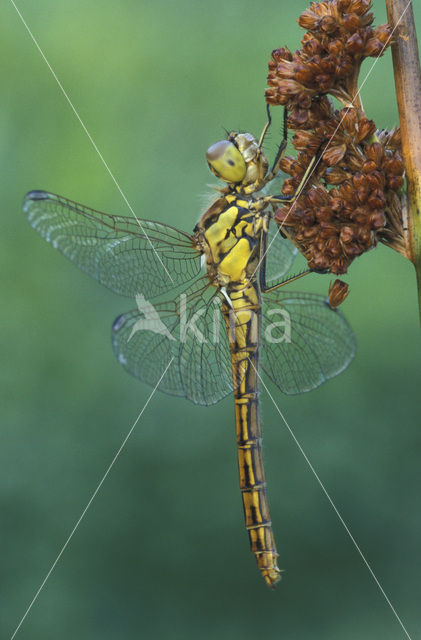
(190, 330)
(123, 254)
(280, 255)
(304, 341)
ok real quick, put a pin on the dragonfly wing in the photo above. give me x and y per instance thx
(124, 254)
(304, 341)
(191, 331)
(280, 255)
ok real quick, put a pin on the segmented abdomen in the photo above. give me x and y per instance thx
(244, 327)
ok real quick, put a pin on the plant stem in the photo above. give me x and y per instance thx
(407, 71)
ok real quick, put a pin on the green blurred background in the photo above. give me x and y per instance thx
(162, 551)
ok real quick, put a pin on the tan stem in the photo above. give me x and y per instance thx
(407, 71)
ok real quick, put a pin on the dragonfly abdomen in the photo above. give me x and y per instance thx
(243, 322)
(253, 485)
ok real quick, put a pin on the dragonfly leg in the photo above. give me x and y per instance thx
(282, 146)
(266, 127)
(262, 273)
(291, 198)
(267, 289)
(304, 180)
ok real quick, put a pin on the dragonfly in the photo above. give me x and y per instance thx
(232, 268)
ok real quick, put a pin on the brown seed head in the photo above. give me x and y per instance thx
(349, 201)
(338, 38)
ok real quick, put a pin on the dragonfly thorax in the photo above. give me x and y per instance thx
(229, 236)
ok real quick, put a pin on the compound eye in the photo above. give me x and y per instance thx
(226, 162)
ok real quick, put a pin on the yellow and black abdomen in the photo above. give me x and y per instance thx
(229, 234)
(243, 321)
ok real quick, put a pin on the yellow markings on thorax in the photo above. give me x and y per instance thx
(217, 232)
(230, 238)
(234, 264)
(244, 204)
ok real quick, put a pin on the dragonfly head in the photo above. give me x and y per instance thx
(238, 160)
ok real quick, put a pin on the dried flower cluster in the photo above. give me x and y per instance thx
(338, 39)
(350, 201)
(343, 212)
